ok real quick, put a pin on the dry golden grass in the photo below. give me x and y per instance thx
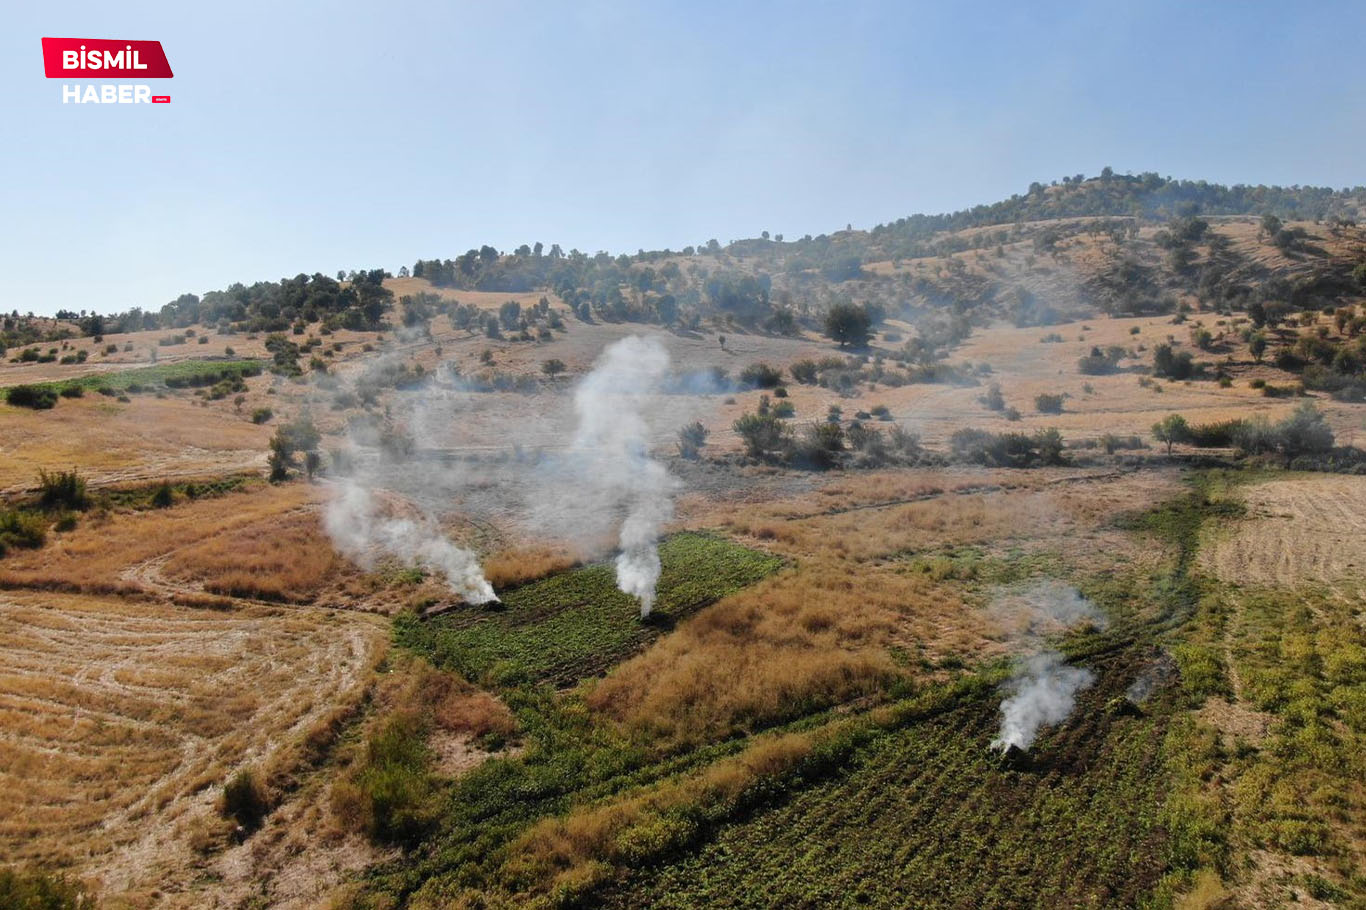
(576, 851)
(506, 568)
(819, 634)
(285, 557)
(119, 719)
(813, 636)
(111, 442)
(129, 552)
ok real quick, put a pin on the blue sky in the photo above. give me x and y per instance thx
(308, 137)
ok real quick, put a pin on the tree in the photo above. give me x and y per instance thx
(1172, 365)
(993, 400)
(666, 307)
(1304, 432)
(691, 438)
(299, 435)
(1171, 429)
(1257, 345)
(848, 325)
(552, 367)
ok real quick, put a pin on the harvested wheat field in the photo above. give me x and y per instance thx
(1307, 530)
(122, 718)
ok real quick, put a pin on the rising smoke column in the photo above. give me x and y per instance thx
(358, 532)
(611, 447)
(1043, 690)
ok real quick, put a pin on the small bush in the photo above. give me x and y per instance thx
(244, 800)
(1014, 450)
(691, 438)
(1214, 435)
(805, 371)
(72, 391)
(261, 415)
(22, 530)
(62, 490)
(1048, 404)
(164, 497)
(394, 788)
(760, 376)
(1172, 365)
(38, 397)
(22, 889)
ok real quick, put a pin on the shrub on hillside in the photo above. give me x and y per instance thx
(38, 397)
(1214, 435)
(760, 376)
(62, 490)
(819, 446)
(992, 399)
(1048, 404)
(761, 433)
(691, 438)
(1010, 450)
(21, 530)
(244, 800)
(23, 889)
(1172, 365)
(1100, 362)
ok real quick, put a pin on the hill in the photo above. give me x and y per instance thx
(1086, 442)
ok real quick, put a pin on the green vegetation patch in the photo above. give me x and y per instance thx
(929, 816)
(576, 624)
(160, 495)
(183, 374)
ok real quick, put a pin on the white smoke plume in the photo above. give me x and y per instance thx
(359, 532)
(611, 449)
(581, 476)
(1044, 691)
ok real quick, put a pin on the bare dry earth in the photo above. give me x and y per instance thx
(1299, 530)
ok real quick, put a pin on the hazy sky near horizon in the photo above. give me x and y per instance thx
(307, 137)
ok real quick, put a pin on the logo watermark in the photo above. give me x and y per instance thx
(100, 58)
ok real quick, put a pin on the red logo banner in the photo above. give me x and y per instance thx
(100, 58)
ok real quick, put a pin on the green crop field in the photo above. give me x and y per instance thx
(181, 374)
(577, 623)
(929, 816)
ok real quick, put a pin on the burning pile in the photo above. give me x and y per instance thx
(1043, 690)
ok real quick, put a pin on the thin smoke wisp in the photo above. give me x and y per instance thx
(361, 534)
